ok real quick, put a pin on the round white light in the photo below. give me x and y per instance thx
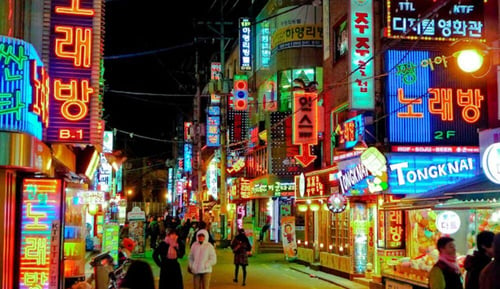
(469, 60)
(491, 162)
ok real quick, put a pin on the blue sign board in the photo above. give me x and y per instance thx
(427, 104)
(24, 88)
(213, 126)
(188, 157)
(420, 172)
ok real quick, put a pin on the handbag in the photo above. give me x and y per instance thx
(189, 270)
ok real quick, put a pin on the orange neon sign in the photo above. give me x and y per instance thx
(78, 38)
(72, 98)
(41, 89)
(441, 102)
(75, 9)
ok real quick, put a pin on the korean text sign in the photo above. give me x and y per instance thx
(456, 19)
(305, 118)
(40, 234)
(75, 52)
(245, 44)
(361, 94)
(24, 88)
(426, 104)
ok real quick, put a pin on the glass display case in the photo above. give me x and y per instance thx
(74, 238)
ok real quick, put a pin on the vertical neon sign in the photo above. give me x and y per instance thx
(305, 124)
(40, 234)
(361, 92)
(245, 44)
(75, 52)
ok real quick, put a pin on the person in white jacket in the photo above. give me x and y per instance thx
(201, 259)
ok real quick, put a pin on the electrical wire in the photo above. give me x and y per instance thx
(132, 135)
(143, 53)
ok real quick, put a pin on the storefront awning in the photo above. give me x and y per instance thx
(475, 192)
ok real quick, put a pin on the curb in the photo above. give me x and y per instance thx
(312, 275)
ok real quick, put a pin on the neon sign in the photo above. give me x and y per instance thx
(361, 49)
(456, 19)
(40, 234)
(350, 132)
(395, 229)
(416, 173)
(245, 44)
(75, 53)
(436, 109)
(24, 88)
(305, 124)
(188, 157)
(213, 126)
(265, 44)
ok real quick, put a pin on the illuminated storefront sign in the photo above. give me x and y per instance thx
(268, 95)
(75, 69)
(24, 88)
(105, 175)
(435, 149)
(239, 128)
(245, 44)
(40, 234)
(456, 19)
(235, 163)
(240, 214)
(350, 132)
(395, 229)
(276, 189)
(491, 162)
(305, 124)
(212, 179)
(215, 70)
(437, 109)
(213, 126)
(365, 175)
(265, 44)
(309, 186)
(188, 131)
(188, 158)
(448, 222)
(301, 27)
(107, 142)
(361, 93)
(417, 173)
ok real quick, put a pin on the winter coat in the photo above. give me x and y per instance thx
(241, 246)
(202, 256)
(488, 279)
(474, 264)
(170, 270)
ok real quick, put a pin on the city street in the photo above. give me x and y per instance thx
(264, 271)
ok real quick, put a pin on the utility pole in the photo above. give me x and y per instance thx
(197, 137)
(223, 158)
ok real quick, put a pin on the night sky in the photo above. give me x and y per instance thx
(134, 26)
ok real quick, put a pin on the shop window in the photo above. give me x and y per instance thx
(340, 40)
(339, 234)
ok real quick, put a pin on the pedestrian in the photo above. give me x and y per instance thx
(490, 276)
(202, 226)
(265, 228)
(154, 231)
(125, 250)
(162, 233)
(139, 276)
(201, 259)
(241, 247)
(165, 256)
(481, 257)
(445, 274)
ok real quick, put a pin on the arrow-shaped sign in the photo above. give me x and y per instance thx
(305, 158)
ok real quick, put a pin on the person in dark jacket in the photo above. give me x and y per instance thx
(165, 256)
(490, 276)
(139, 276)
(475, 263)
(445, 274)
(241, 246)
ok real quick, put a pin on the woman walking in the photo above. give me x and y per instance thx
(241, 246)
(446, 274)
(165, 256)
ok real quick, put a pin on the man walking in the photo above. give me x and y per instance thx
(201, 259)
